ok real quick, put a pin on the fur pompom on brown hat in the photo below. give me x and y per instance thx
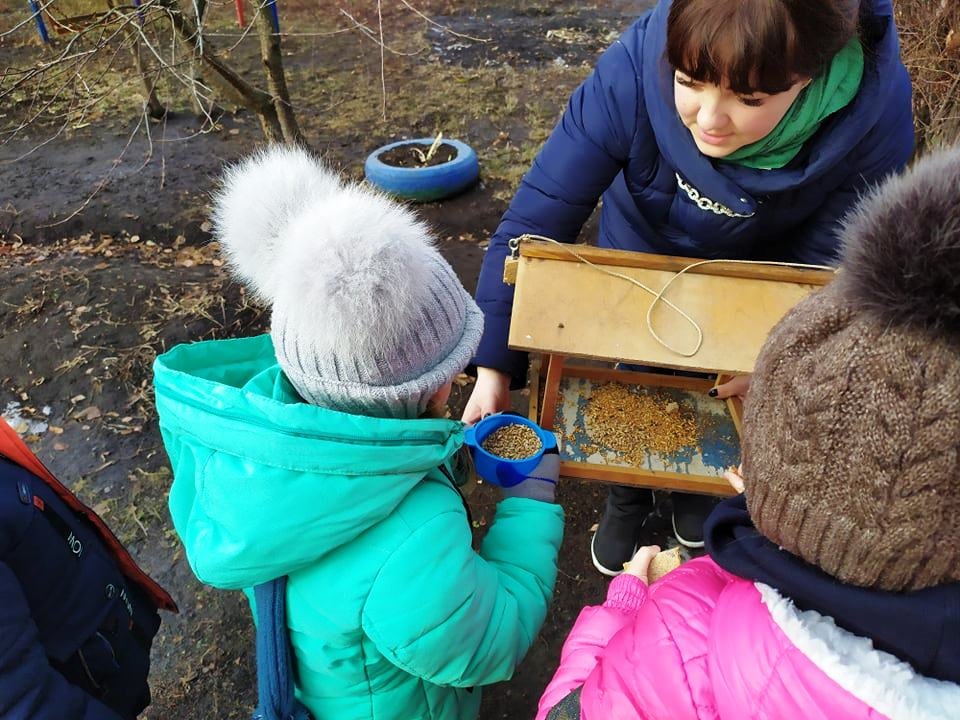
(851, 451)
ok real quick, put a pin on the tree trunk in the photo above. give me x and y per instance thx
(276, 81)
(254, 99)
(227, 93)
(155, 108)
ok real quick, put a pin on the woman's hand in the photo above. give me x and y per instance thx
(737, 386)
(491, 394)
(639, 564)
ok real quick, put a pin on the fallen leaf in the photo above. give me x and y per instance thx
(60, 446)
(55, 430)
(77, 398)
(952, 42)
(90, 413)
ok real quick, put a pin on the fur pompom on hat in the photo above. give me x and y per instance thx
(256, 200)
(851, 449)
(367, 316)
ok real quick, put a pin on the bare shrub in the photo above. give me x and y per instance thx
(930, 44)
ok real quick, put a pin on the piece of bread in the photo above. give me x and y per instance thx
(662, 563)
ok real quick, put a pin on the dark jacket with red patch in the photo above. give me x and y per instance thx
(77, 618)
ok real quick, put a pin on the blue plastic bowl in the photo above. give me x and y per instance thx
(497, 470)
(424, 184)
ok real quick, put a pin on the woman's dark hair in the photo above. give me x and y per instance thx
(757, 45)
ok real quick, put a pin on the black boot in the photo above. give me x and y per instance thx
(689, 513)
(615, 541)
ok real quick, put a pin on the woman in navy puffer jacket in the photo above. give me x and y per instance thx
(741, 129)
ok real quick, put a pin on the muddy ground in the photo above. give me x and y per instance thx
(91, 289)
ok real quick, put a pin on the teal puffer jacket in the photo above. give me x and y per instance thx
(391, 612)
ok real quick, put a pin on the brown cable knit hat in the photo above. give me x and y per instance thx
(851, 449)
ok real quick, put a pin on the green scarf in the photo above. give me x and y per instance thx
(821, 98)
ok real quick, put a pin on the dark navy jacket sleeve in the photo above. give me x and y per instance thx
(579, 161)
(30, 689)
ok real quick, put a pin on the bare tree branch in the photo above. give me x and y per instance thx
(276, 81)
(255, 99)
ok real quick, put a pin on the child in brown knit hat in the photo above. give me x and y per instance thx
(831, 588)
(851, 451)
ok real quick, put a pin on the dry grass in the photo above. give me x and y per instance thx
(930, 44)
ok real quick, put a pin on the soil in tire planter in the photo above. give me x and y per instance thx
(406, 155)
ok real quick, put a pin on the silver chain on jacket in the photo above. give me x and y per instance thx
(705, 203)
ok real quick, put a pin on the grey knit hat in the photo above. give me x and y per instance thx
(851, 452)
(368, 317)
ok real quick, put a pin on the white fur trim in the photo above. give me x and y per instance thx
(876, 678)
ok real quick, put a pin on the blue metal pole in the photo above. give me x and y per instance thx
(275, 15)
(38, 19)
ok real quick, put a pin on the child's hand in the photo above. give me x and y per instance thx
(639, 564)
(735, 478)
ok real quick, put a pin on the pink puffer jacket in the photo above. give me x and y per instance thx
(702, 643)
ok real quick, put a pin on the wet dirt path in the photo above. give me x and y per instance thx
(88, 299)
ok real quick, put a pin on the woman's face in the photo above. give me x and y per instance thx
(721, 121)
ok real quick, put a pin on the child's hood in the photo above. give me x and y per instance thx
(264, 483)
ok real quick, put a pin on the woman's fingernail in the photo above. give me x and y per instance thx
(712, 392)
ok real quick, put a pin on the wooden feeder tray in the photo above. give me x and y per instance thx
(696, 468)
(564, 309)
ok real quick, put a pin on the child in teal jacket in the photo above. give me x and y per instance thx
(320, 452)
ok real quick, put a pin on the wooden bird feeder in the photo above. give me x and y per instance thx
(579, 321)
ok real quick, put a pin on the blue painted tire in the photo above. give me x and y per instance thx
(424, 184)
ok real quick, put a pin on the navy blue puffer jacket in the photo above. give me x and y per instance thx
(621, 138)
